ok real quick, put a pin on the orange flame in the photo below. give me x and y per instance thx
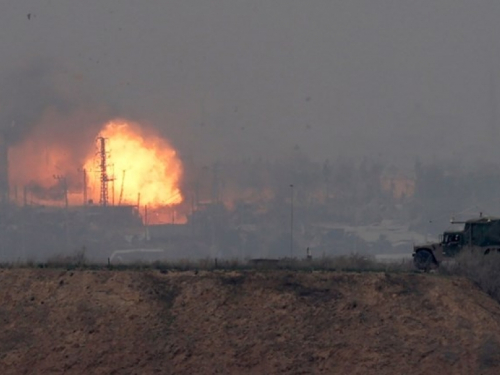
(138, 165)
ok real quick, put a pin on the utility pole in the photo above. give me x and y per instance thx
(326, 176)
(493, 108)
(84, 187)
(291, 221)
(64, 182)
(65, 187)
(121, 188)
(113, 187)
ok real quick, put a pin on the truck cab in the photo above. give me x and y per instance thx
(452, 243)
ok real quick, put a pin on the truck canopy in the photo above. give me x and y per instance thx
(483, 231)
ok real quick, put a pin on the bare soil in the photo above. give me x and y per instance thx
(267, 322)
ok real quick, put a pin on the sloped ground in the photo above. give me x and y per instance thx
(125, 322)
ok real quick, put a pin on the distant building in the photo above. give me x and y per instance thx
(398, 184)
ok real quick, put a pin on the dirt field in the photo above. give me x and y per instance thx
(125, 322)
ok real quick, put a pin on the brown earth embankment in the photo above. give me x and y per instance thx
(268, 322)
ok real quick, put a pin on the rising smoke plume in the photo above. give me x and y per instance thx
(49, 125)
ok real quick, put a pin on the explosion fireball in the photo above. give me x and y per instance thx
(138, 165)
(48, 167)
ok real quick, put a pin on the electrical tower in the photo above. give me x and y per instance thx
(103, 168)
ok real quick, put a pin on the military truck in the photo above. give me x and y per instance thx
(480, 235)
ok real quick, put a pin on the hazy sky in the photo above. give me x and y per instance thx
(237, 78)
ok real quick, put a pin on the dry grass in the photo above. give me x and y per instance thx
(269, 322)
(344, 263)
(483, 270)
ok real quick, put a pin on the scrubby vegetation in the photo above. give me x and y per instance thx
(345, 263)
(483, 270)
(244, 322)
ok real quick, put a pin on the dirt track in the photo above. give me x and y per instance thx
(117, 322)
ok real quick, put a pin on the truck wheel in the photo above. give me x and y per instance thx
(424, 260)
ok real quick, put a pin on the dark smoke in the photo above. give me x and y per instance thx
(25, 94)
(45, 113)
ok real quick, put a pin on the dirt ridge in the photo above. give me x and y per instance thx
(146, 322)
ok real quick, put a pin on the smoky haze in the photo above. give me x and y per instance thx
(378, 120)
(50, 129)
(27, 92)
(229, 78)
